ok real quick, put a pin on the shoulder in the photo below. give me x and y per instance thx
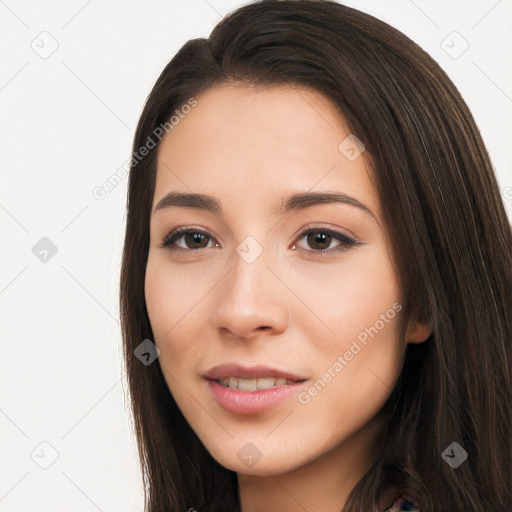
(402, 503)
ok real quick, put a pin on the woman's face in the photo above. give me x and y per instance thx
(299, 290)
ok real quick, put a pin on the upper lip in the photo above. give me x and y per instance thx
(224, 371)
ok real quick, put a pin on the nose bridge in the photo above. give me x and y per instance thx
(250, 272)
(250, 296)
(253, 252)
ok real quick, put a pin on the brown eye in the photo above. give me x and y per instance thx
(320, 240)
(192, 239)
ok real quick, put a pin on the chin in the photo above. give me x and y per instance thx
(246, 458)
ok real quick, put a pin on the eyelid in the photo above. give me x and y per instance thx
(329, 229)
(325, 226)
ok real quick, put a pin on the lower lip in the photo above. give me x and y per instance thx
(251, 402)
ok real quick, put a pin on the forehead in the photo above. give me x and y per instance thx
(248, 146)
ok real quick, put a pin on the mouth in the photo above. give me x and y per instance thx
(253, 384)
(251, 378)
(251, 389)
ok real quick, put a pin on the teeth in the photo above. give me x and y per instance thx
(247, 384)
(254, 384)
(265, 382)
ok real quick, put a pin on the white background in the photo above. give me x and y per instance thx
(67, 124)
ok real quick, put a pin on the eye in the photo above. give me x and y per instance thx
(321, 238)
(408, 506)
(402, 504)
(192, 238)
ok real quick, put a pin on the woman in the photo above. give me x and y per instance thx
(317, 246)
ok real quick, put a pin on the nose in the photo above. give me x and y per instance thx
(251, 300)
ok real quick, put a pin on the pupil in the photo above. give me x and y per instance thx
(196, 237)
(320, 238)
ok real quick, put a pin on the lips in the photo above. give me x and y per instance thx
(242, 390)
(225, 371)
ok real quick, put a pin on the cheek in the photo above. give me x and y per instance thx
(176, 311)
(352, 381)
(339, 301)
(158, 297)
(170, 294)
(355, 349)
(367, 304)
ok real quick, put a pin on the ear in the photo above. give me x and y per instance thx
(419, 327)
(420, 324)
(418, 331)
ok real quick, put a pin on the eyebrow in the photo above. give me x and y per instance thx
(294, 202)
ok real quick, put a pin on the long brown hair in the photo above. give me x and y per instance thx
(451, 242)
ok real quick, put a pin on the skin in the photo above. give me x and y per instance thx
(207, 306)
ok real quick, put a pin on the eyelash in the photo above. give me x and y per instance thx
(346, 242)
